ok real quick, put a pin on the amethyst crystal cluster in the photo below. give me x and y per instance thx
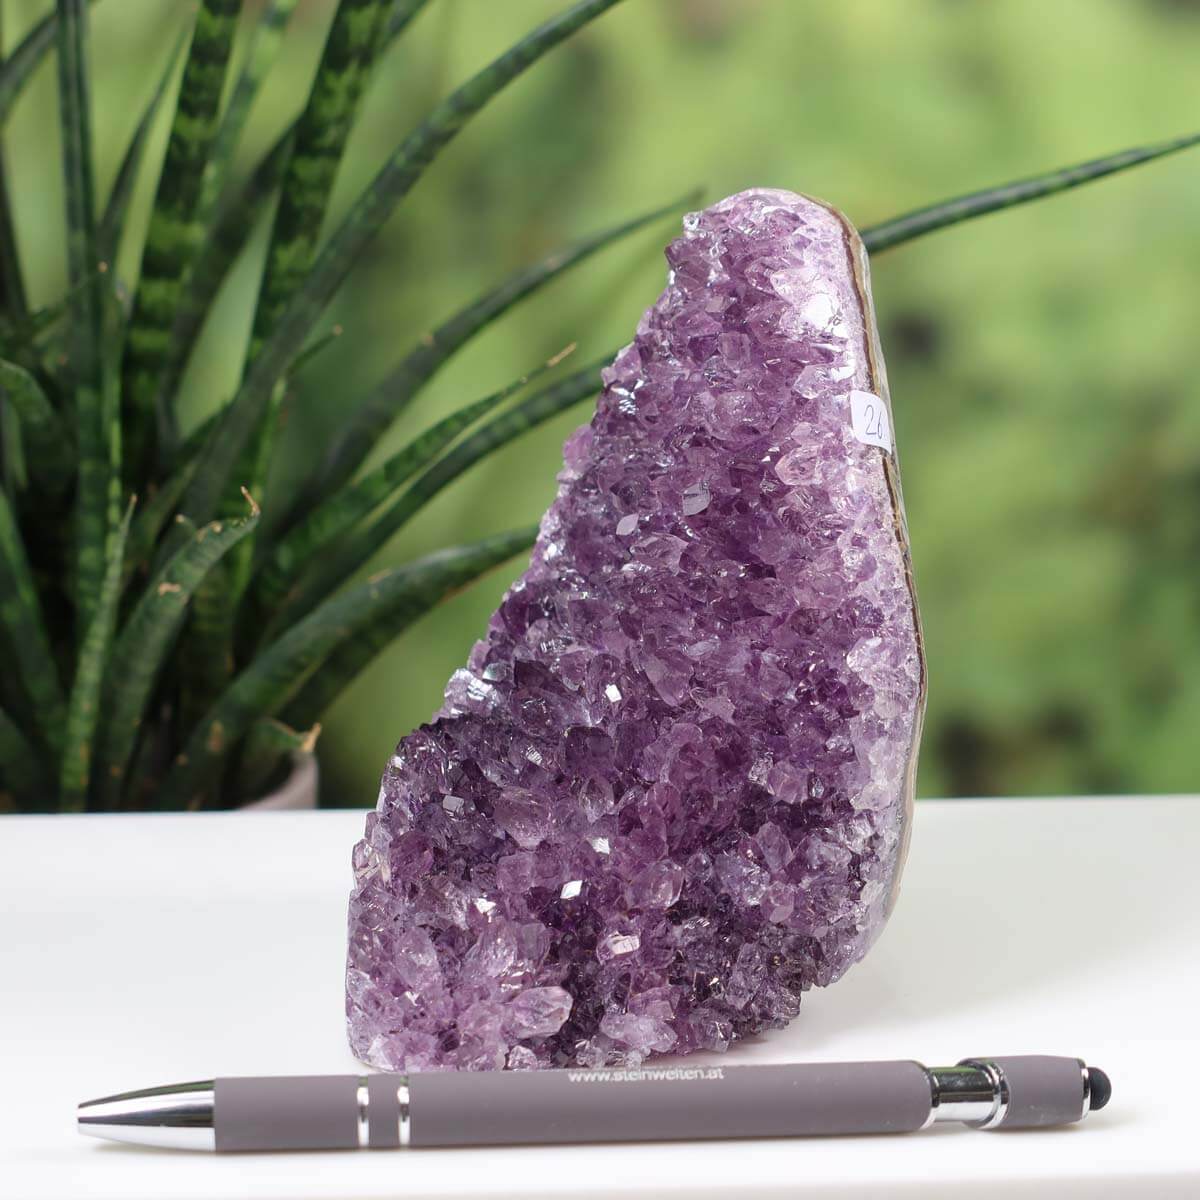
(671, 790)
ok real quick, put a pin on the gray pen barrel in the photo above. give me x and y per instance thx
(511, 1108)
(664, 1103)
(1040, 1090)
(296, 1112)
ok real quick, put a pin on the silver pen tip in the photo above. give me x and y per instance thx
(179, 1116)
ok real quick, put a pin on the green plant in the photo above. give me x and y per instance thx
(166, 643)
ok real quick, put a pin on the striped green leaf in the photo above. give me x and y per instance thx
(173, 235)
(320, 138)
(15, 72)
(255, 468)
(14, 477)
(342, 511)
(377, 412)
(265, 43)
(83, 708)
(275, 675)
(207, 652)
(19, 66)
(225, 240)
(24, 627)
(204, 658)
(354, 655)
(24, 784)
(110, 413)
(144, 643)
(17, 336)
(86, 312)
(321, 133)
(319, 343)
(977, 204)
(74, 94)
(150, 759)
(188, 450)
(47, 444)
(339, 254)
(13, 301)
(151, 519)
(330, 569)
(266, 40)
(112, 223)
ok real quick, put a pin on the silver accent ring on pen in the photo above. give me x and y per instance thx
(1000, 1089)
(405, 1122)
(363, 1096)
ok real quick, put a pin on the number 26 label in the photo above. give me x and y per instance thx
(869, 420)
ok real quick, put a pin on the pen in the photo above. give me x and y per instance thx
(652, 1103)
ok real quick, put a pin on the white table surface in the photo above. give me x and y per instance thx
(139, 950)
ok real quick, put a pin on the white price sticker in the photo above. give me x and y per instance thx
(869, 420)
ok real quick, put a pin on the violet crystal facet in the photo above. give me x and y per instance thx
(672, 788)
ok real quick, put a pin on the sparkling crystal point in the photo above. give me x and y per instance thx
(672, 788)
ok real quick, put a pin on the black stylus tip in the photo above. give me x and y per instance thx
(1100, 1089)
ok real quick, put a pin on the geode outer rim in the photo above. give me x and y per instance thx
(861, 267)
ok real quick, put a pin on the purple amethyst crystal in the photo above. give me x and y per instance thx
(672, 788)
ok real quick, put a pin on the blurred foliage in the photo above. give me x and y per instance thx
(1047, 418)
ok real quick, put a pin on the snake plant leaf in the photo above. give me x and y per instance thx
(209, 651)
(339, 254)
(15, 72)
(21, 771)
(319, 343)
(331, 569)
(113, 322)
(24, 627)
(21, 333)
(187, 453)
(151, 519)
(145, 640)
(278, 672)
(173, 236)
(266, 39)
(205, 655)
(265, 43)
(14, 477)
(86, 308)
(83, 708)
(268, 747)
(47, 443)
(19, 66)
(977, 204)
(342, 511)
(79, 180)
(224, 241)
(237, 570)
(347, 662)
(13, 301)
(321, 132)
(385, 403)
(112, 223)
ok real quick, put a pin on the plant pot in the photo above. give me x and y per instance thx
(297, 791)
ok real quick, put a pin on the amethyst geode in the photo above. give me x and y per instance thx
(672, 788)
